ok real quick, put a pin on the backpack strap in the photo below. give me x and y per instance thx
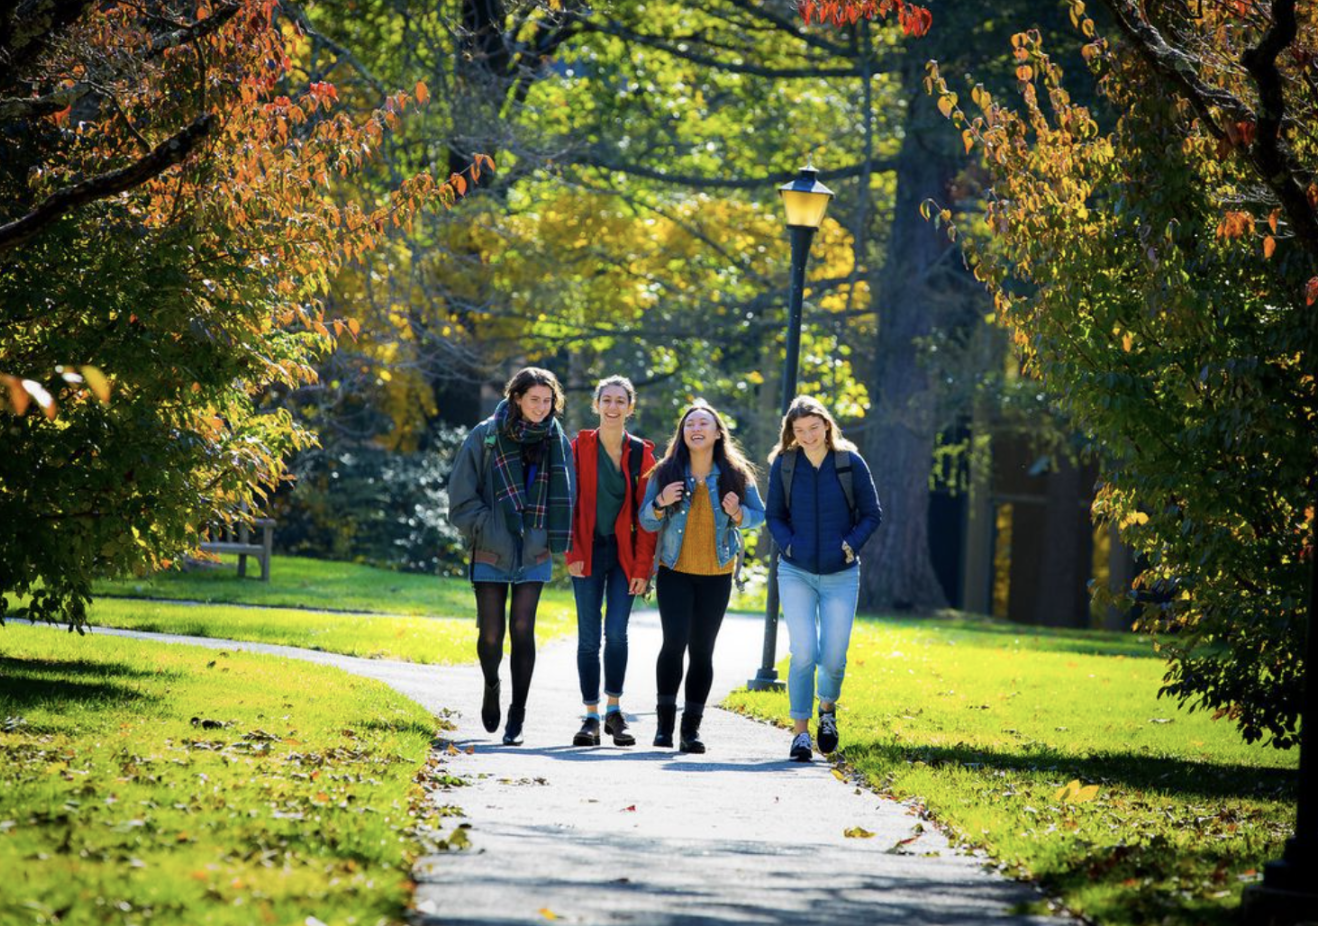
(842, 465)
(786, 471)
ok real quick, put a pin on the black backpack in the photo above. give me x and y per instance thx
(842, 465)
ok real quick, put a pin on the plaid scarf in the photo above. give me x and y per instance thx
(549, 506)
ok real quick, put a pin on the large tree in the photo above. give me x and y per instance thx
(166, 241)
(1160, 280)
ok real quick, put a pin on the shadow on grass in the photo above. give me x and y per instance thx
(1152, 882)
(69, 682)
(1160, 774)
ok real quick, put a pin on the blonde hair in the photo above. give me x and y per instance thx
(804, 406)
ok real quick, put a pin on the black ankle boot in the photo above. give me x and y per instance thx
(665, 720)
(690, 741)
(490, 707)
(512, 733)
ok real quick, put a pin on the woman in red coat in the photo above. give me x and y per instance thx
(611, 554)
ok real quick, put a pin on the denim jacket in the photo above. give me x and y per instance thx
(672, 527)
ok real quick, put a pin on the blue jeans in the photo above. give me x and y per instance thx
(819, 611)
(606, 587)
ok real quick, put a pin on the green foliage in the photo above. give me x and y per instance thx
(173, 784)
(194, 289)
(982, 725)
(1171, 329)
(363, 501)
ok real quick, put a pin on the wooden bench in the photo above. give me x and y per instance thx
(237, 538)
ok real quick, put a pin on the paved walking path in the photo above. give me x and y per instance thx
(646, 836)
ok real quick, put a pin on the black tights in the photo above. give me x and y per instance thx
(691, 609)
(490, 600)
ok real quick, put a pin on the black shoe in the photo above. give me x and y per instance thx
(665, 720)
(490, 707)
(690, 738)
(589, 734)
(512, 733)
(616, 726)
(827, 731)
(801, 751)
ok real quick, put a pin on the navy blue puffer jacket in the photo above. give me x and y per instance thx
(810, 535)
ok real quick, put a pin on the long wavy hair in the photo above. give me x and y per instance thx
(526, 379)
(803, 406)
(735, 471)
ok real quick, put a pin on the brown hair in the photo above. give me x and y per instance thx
(621, 382)
(526, 379)
(735, 471)
(803, 406)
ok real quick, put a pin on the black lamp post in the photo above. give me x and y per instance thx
(1288, 894)
(806, 201)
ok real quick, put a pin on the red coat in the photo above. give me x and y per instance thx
(637, 562)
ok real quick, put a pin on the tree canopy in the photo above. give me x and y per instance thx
(166, 243)
(1158, 279)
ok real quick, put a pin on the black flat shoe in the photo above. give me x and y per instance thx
(490, 708)
(589, 734)
(616, 726)
(512, 733)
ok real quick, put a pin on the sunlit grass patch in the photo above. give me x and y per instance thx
(400, 616)
(439, 640)
(298, 582)
(985, 723)
(166, 784)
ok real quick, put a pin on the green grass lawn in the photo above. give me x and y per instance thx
(413, 618)
(983, 723)
(142, 783)
(297, 582)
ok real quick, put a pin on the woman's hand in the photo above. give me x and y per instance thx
(576, 570)
(636, 587)
(732, 505)
(671, 494)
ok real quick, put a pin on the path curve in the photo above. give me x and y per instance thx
(647, 836)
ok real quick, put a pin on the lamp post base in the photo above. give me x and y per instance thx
(766, 680)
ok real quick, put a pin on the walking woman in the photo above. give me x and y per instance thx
(822, 510)
(700, 497)
(510, 493)
(611, 556)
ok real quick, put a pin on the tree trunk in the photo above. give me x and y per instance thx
(898, 572)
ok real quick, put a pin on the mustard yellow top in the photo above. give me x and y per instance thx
(699, 555)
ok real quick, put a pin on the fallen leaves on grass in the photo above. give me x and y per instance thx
(1072, 792)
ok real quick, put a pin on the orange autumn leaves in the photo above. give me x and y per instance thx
(915, 20)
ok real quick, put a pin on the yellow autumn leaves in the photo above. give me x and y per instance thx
(1073, 793)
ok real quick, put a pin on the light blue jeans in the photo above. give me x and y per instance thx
(819, 611)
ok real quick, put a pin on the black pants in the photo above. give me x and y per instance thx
(691, 609)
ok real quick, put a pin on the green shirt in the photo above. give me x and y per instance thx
(610, 492)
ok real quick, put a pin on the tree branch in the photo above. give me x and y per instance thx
(1175, 65)
(1271, 155)
(12, 108)
(728, 183)
(198, 30)
(164, 156)
(341, 53)
(809, 73)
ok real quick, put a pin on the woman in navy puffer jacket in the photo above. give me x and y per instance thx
(819, 532)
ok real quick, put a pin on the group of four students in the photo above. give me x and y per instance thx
(521, 492)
